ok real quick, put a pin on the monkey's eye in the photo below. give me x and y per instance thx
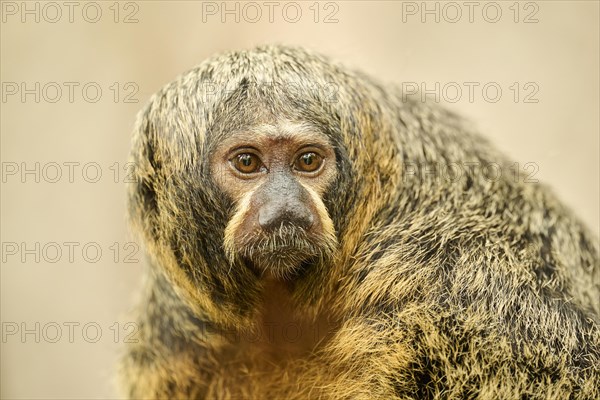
(308, 162)
(247, 163)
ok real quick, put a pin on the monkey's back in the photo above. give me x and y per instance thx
(489, 286)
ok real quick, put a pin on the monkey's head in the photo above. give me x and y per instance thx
(259, 164)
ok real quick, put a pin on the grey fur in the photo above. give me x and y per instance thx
(439, 289)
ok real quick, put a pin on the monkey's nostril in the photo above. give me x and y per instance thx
(304, 221)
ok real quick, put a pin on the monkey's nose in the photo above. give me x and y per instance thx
(271, 217)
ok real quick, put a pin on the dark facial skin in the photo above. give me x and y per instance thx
(276, 176)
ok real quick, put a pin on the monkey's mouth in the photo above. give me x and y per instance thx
(283, 253)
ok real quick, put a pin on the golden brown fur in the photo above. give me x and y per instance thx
(435, 289)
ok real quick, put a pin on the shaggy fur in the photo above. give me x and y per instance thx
(438, 288)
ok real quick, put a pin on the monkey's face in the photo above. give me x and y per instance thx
(276, 176)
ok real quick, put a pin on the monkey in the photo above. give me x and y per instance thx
(299, 246)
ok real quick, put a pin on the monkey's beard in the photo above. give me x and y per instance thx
(283, 253)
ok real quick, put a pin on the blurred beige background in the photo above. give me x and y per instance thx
(64, 315)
